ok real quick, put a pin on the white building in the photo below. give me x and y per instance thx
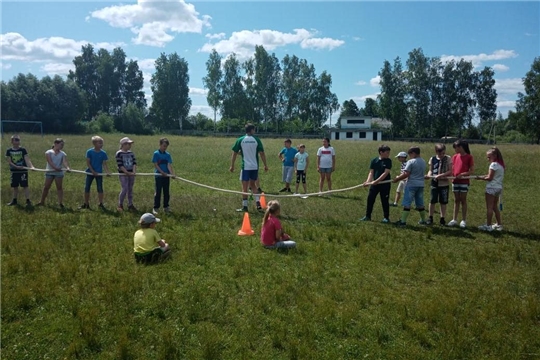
(356, 128)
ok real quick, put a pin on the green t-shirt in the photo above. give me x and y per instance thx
(379, 166)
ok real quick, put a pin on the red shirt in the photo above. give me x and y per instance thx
(461, 164)
(268, 233)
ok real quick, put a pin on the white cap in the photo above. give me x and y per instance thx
(402, 154)
(126, 140)
(148, 218)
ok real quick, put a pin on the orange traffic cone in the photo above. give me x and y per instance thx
(246, 229)
(263, 201)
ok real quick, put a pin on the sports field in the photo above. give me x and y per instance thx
(351, 289)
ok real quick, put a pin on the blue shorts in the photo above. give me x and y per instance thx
(325, 170)
(54, 174)
(461, 188)
(415, 193)
(248, 175)
(90, 179)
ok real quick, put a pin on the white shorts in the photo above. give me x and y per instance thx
(494, 191)
(401, 186)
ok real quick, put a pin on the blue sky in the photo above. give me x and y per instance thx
(350, 40)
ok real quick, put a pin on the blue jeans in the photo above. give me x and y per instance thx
(287, 244)
(415, 193)
(162, 184)
(90, 179)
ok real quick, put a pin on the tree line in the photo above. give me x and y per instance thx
(426, 98)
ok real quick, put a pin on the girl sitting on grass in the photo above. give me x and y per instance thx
(272, 235)
(494, 189)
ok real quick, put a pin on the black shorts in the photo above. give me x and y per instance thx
(19, 178)
(300, 175)
(439, 194)
(153, 257)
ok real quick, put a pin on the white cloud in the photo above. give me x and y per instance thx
(243, 42)
(478, 60)
(14, 46)
(506, 103)
(57, 68)
(215, 36)
(203, 109)
(360, 100)
(500, 67)
(4, 66)
(509, 86)
(375, 81)
(197, 91)
(361, 82)
(154, 21)
(146, 64)
(357, 38)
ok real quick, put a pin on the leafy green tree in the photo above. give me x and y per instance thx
(486, 99)
(392, 97)
(371, 108)
(529, 103)
(201, 122)
(86, 77)
(212, 82)
(170, 91)
(134, 82)
(234, 98)
(419, 92)
(132, 120)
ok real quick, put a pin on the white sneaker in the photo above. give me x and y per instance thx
(452, 223)
(485, 227)
(463, 224)
(497, 227)
(155, 211)
(296, 193)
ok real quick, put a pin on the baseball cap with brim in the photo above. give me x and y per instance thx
(126, 140)
(148, 218)
(402, 154)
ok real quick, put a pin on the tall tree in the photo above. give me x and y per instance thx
(371, 108)
(392, 97)
(486, 98)
(170, 91)
(118, 81)
(234, 99)
(418, 91)
(134, 82)
(212, 81)
(529, 103)
(86, 77)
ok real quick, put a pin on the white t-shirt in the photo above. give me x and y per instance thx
(497, 182)
(301, 160)
(326, 157)
(57, 159)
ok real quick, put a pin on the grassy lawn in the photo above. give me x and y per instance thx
(351, 290)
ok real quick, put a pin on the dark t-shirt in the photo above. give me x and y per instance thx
(379, 166)
(17, 157)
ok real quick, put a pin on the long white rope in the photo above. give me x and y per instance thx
(238, 192)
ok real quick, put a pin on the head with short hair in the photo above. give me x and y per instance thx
(439, 148)
(273, 207)
(97, 139)
(250, 128)
(164, 140)
(384, 148)
(301, 147)
(287, 142)
(15, 139)
(58, 141)
(414, 150)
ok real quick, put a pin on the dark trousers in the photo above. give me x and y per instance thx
(162, 184)
(384, 190)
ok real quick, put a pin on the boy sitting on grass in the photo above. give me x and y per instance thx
(148, 247)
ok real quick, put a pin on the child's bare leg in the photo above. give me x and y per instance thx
(464, 206)
(59, 189)
(46, 187)
(457, 201)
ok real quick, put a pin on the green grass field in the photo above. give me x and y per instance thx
(351, 290)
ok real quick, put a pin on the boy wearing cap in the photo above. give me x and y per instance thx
(414, 172)
(379, 170)
(96, 160)
(402, 158)
(127, 165)
(18, 160)
(440, 167)
(148, 246)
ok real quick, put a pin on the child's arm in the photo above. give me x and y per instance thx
(66, 163)
(28, 162)
(318, 162)
(307, 164)
(429, 173)
(106, 168)
(171, 171)
(380, 178)
(280, 156)
(333, 162)
(369, 178)
(156, 165)
(401, 176)
(89, 164)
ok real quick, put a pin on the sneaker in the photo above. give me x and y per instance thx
(12, 203)
(385, 221)
(429, 221)
(295, 193)
(442, 222)
(101, 206)
(259, 190)
(400, 223)
(155, 211)
(288, 189)
(84, 206)
(28, 202)
(463, 224)
(422, 222)
(167, 210)
(452, 223)
(132, 208)
(485, 227)
(283, 190)
(497, 227)
(393, 204)
(120, 208)
(365, 218)
(243, 209)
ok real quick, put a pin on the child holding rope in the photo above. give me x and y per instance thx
(402, 158)
(18, 160)
(379, 170)
(272, 234)
(414, 189)
(56, 158)
(326, 164)
(148, 247)
(462, 166)
(440, 167)
(163, 169)
(96, 160)
(494, 189)
(127, 164)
